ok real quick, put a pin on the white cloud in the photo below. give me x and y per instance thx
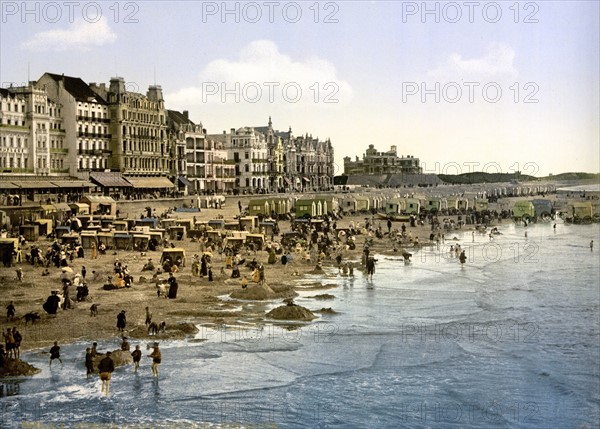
(262, 75)
(497, 62)
(80, 35)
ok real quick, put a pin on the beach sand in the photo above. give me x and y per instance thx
(197, 299)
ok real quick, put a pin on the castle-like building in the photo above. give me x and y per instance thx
(378, 163)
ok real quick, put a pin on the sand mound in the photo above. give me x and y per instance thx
(255, 293)
(327, 310)
(186, 328)
(291, 312)
(16, 367)
(323, 296)
(119, 357)
(177, 331)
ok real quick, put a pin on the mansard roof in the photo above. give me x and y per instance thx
(179, 117)
(78, 88)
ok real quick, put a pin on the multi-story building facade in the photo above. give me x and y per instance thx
(274, 161)
(220, 169)
(248, 149)
(126, 141)
(138, 130)
(32, 134)
(275, 156)
(189, 140)
(298, 163)
(86, 122)
(314, 163)
(374, 162)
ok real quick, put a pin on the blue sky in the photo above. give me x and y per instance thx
(368, 72)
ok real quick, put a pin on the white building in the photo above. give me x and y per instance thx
(32, 135)
(86, 122)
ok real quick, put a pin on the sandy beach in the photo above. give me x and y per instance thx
(197, 299)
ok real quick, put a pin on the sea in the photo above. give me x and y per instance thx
(510, 339)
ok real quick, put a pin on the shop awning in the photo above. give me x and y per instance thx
(100, 199)
(184, 180)
(306, 179)
(150, 182)
(35, 184)
(72, 184)
(110, 179)
(7, 185)
(288, 181)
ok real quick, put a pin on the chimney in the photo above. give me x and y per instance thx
(186, 114)
(233, 131)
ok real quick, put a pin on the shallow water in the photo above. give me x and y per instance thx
(510, 340)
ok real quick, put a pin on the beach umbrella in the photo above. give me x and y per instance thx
(67, 270)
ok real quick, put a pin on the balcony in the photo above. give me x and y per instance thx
(94, 152)
(94, 135)
(94, 119)
(16, 170)
(59, 150)
(14, 127)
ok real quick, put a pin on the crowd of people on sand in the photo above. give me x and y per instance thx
(306, 243)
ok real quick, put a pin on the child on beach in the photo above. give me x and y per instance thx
(10, 311)
(89, 362)
(137, 356)
(156, 359)
(55, 353)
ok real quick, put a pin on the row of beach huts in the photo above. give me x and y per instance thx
(388, 203)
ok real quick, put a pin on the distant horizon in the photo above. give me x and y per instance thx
(498, 86)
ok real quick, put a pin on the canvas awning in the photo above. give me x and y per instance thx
(100, 199)
(288, 181)
(73, 184)
(184, 180)
(36, 184)
(150, 182)
(80, 206)
(62, 207)
(306, 179)
(48, 208)
(8, 185)
(110, 179)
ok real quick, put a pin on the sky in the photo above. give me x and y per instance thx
(464, 86)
